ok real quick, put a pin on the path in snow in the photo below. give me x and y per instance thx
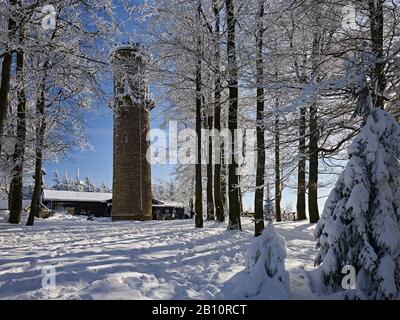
(136, 260)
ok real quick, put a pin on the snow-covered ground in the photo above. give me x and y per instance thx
(138, 260)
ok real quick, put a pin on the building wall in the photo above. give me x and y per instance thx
(100, 209)
(80, 208)
(168, 213)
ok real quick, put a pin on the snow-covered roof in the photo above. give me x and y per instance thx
(74, 196)
(57, 195)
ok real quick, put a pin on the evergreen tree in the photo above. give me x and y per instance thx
(265, 275)
(360, 224)
(66, 184)
(56, 180)
(103, 188)
(89, 185)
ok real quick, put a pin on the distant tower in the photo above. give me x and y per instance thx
(132, 196)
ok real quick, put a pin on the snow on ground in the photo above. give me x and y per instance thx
(138, 260)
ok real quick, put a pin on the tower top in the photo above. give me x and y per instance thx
(128, 53)
(129, 63)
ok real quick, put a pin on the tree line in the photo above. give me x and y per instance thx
(68, 183)
(295, 70)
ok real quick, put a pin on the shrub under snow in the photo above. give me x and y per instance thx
(360, 222)
(265, 275)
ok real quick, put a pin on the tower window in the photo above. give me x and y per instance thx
(123, 89)
(125, 138)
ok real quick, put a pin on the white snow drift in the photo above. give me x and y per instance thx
(140, 260)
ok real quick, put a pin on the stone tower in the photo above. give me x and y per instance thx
(132, 196)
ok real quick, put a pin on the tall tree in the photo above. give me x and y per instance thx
(19, 149)
(301, 174)
(260, 174)
(224, 196)
(40, 134)
(219, 205)
(313, 149)
(6, 74)
(376, 19)
(299, 67)
(313, 166)
(41, 126)
(278, 182)
(199, 112)
(233, 181)
(210, 191)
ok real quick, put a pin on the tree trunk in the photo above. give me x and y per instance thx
(277, 171)
(10, 195)
(210, 195)
(241, 200)
(5, 80)
(191, 206)
(378, 76)
(19, 151)
(259, 194)
(268, 204)
(219, 205)
(199, 189)
(314, 137)
(233, 190)
(224, 196)
(301, 175)
(313, 170)
(40, 131)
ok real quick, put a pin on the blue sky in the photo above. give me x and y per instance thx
(97, 163)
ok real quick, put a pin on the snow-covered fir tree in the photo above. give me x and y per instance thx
(360, 224)
(89, 185)
(265, 273)
(103, 188)
(56, 180)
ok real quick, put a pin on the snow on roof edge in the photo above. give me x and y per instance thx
(59, 195)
